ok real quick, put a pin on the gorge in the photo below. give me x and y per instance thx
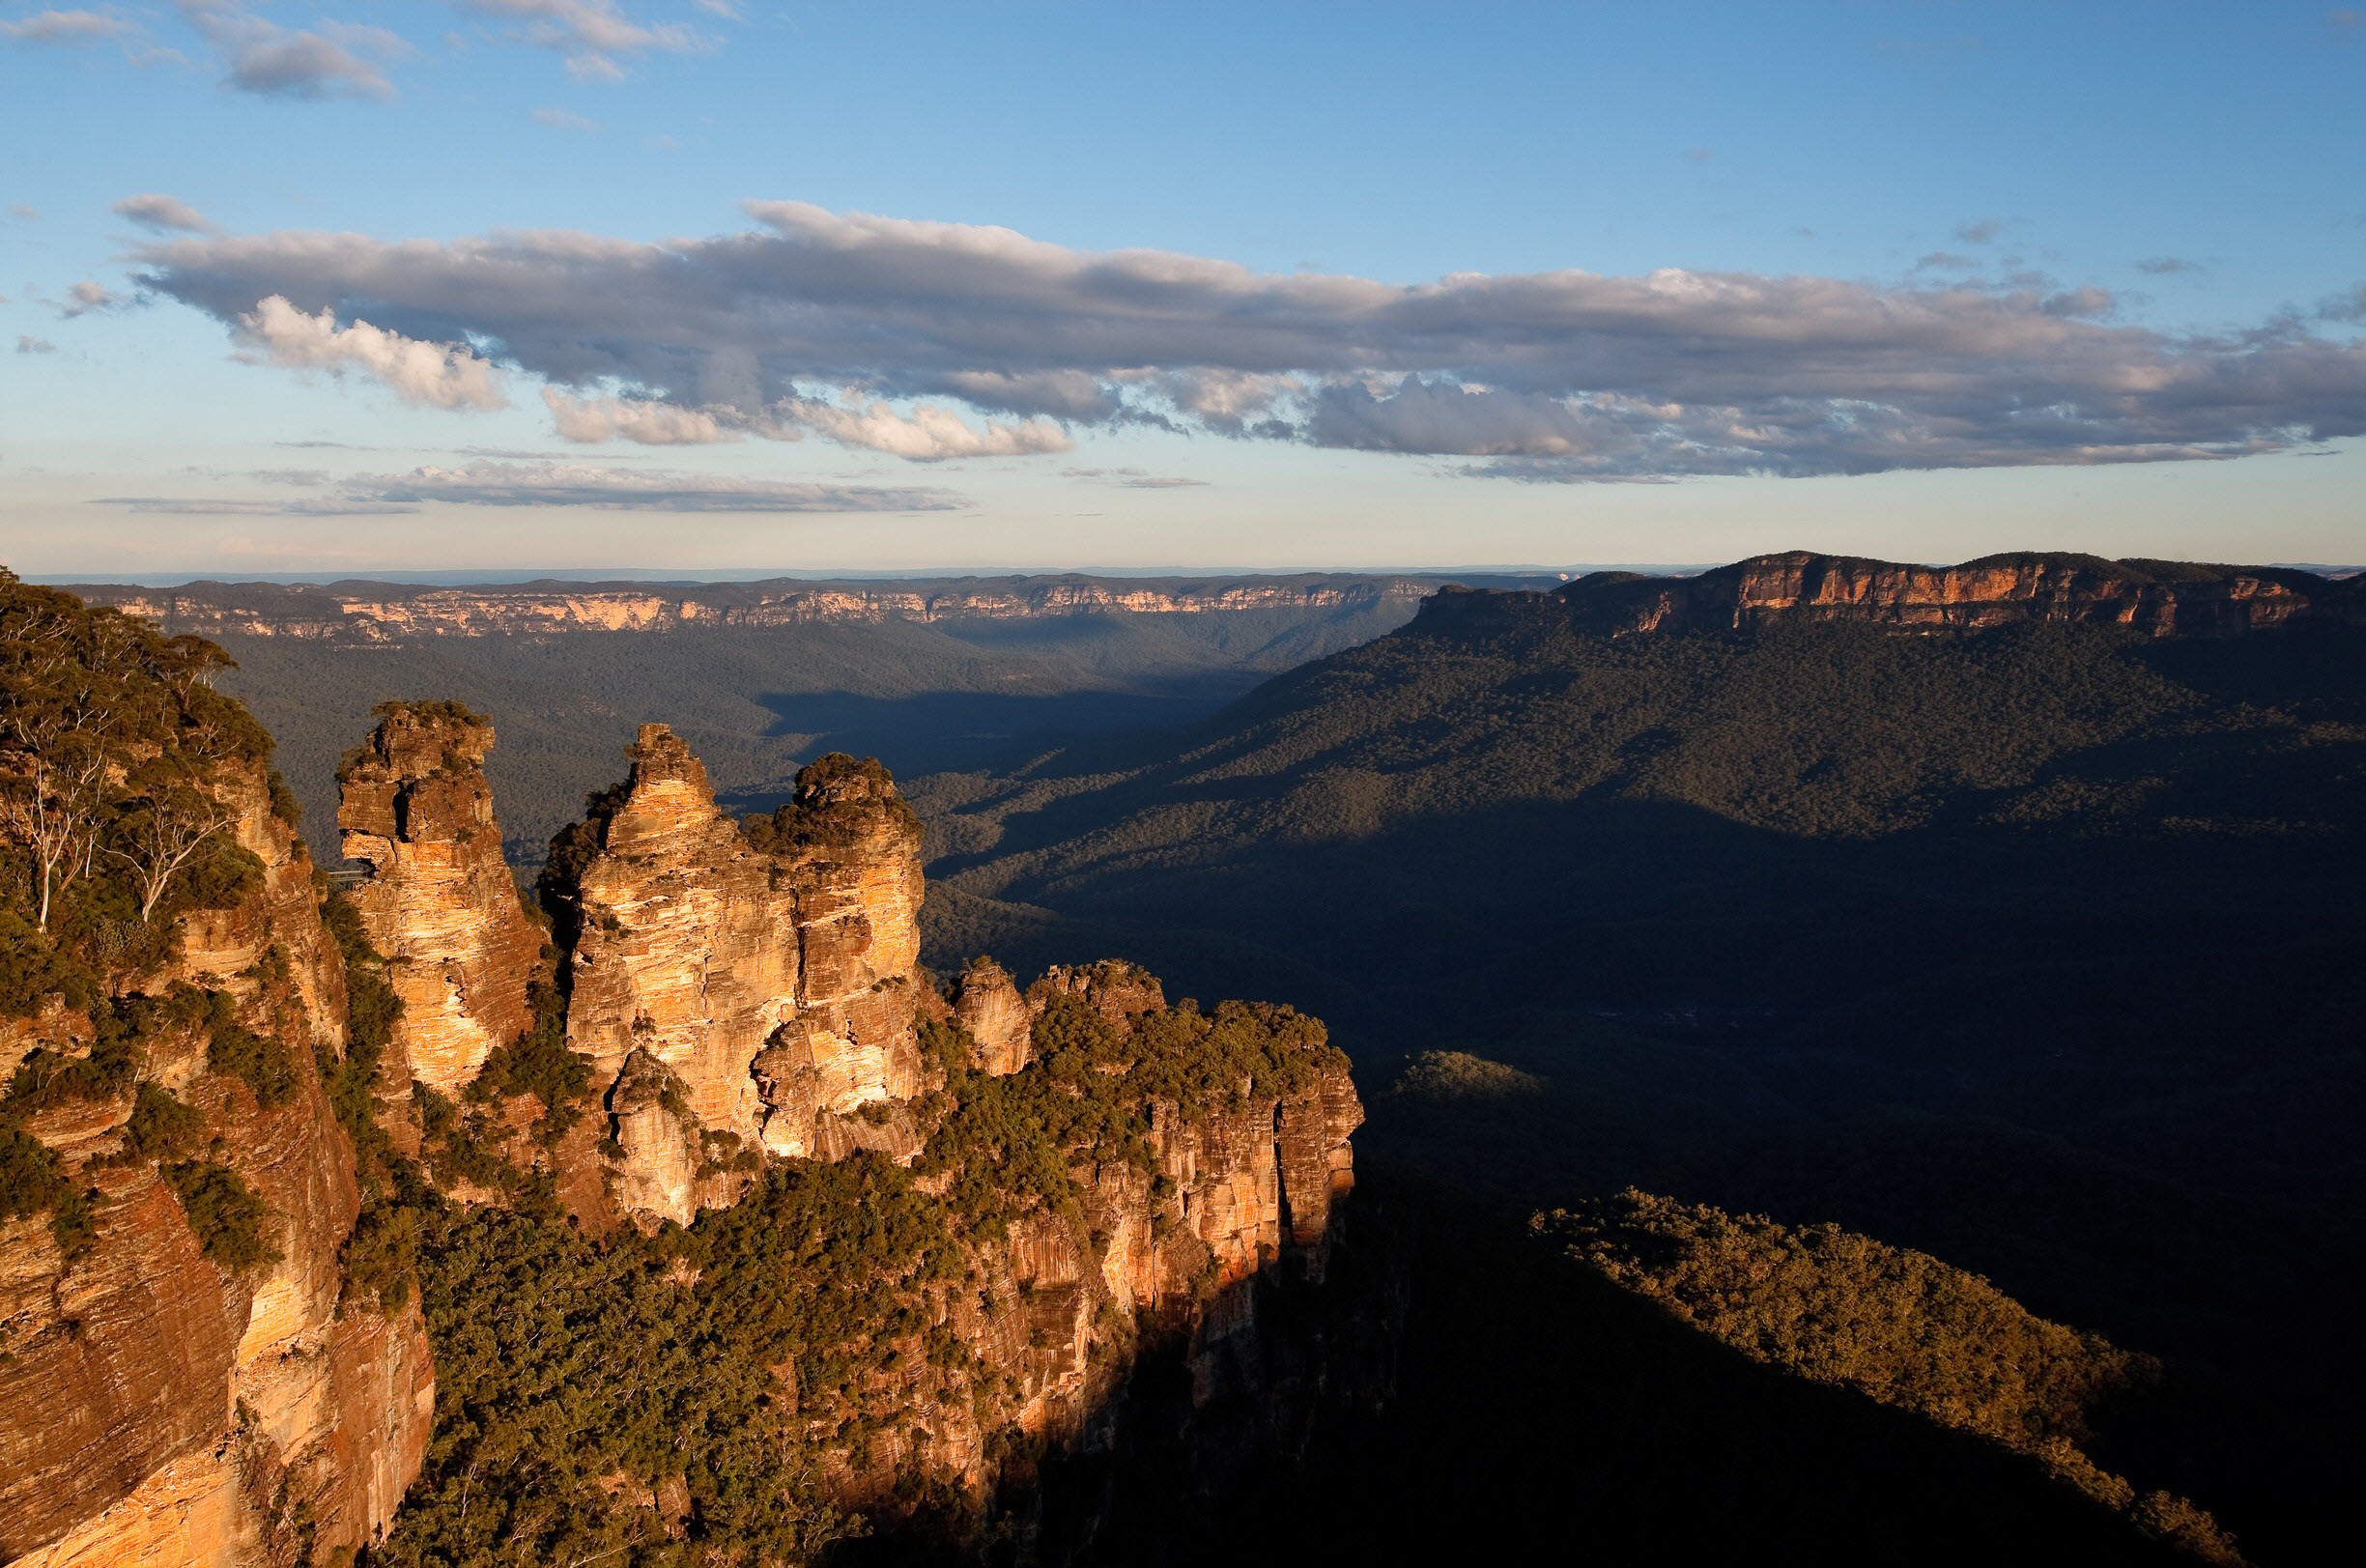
(223, 1360)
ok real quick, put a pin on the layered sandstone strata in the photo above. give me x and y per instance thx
(1238, 1199)
(158, 1407)
(2161, 598)
(440, 903)
(731, 994)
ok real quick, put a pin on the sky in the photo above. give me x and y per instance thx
(709, 285)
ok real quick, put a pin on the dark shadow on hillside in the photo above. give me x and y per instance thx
(2121, 1077)
(1516, 1409)
(964, 731)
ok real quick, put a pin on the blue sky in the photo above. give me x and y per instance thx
(831, 287)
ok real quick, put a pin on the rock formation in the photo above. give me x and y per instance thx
(2158, 597)
(440, 903)
(743, 994)
(159, 1405)
(986, 1002)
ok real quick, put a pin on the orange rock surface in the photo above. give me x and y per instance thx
(162, 1408)
(441, 903)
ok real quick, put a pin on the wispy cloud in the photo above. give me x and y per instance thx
(1134, 479)
(87, 296)
(1982, 232)
(27, 344)
(210, 506)
(584, 484)
(163, 215)
(592, 35)
(565, 120)
(65, 27)
(844, 324)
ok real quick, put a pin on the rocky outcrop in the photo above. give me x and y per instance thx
(391, 611)
(770, 977)
(2161, 598)
(440, 903)
(163, 1407)
(986, 1002)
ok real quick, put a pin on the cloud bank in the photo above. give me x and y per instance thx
(820, 322)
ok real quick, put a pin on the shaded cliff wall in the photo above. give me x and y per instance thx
(163, 1407)
(2159, 597)
(441, 905)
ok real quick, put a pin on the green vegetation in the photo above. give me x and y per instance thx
(262, 1063)
(162, 1128)
(1008, 1142)
(1898, 1325)
(838, 800)
(2024, 949)
(229, 1219)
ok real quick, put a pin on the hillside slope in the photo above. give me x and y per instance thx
(2033, 947)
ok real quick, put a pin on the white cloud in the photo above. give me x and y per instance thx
(584, 484)
(65, 27)
(163, 215)
(565, 120)
(1668, 372)
(430, 374)
(926, 435)
(641, 420)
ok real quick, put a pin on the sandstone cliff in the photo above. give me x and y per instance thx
(731, 995)
(746, 993)
(2158, 597)
(166, 1402)
(441, 905)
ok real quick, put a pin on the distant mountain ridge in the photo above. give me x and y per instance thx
(373, 611)
(2160, 597)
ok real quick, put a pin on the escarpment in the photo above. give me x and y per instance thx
(269, 1151)
(188, 1376)
(2161, 598)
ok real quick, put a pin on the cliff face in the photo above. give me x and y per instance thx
(162, 1406)
(389, 612)
(744, 990)
(440, 904)
(2158, 597)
